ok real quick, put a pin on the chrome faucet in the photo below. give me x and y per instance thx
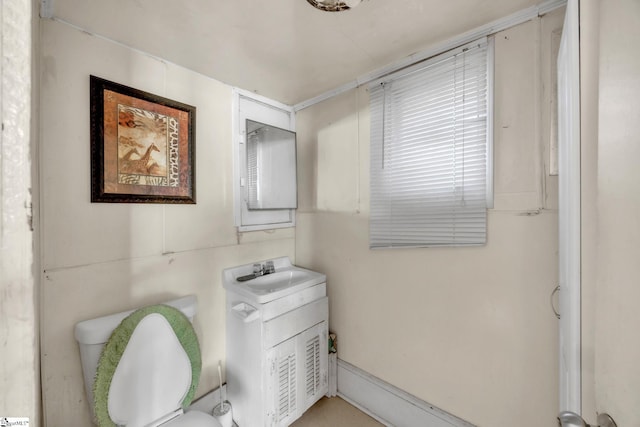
(261, 270)
(258, 269)
(269, 268)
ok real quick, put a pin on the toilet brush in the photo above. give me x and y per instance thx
(222, 411)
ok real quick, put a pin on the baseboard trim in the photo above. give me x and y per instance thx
(388, 404)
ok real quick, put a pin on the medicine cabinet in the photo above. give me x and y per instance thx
(264, 162)
(271, 167)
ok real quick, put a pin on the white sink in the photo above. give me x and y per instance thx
(286, 280)
(278, 280)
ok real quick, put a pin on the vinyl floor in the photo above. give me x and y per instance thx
(335, 412)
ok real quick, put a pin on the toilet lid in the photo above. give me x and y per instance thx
(150, 367)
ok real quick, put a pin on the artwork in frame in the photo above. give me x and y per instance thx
(142, 146)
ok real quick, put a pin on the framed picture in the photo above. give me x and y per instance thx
(142, 146)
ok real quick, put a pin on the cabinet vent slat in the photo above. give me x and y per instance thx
(286, 387)
(312, 367)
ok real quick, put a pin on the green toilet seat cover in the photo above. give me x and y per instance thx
(149, 367)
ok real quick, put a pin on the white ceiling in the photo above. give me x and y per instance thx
(283, 49)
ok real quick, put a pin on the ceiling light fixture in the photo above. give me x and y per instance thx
(334, 5)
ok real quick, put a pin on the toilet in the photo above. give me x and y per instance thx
(141, 367)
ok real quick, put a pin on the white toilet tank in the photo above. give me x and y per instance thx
(93, 334)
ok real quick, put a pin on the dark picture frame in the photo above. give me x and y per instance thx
(142, 146)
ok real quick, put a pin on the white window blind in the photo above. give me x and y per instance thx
(429, 152)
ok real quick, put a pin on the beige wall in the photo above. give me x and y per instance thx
(617, 318)
(610, 66)
(467, 329)
(102, 258)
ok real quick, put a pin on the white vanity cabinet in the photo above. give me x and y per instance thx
(297, 375)
(277, 355)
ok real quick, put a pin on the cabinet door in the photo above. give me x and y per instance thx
(297, 376)
(282, 384)
(313, 356)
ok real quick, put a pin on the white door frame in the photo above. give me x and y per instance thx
(569, 212)
(19, 373)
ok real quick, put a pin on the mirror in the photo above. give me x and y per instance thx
(271, 167)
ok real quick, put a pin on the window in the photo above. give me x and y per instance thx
(431, 178)
(249, 106)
